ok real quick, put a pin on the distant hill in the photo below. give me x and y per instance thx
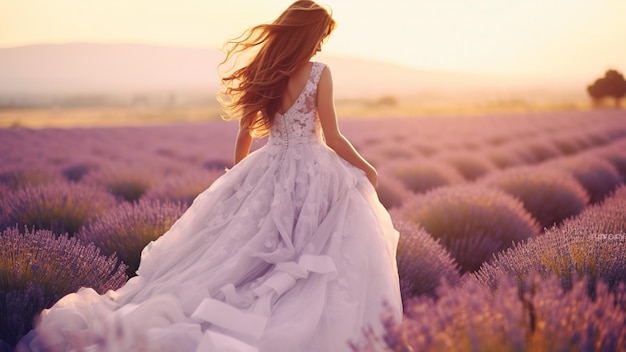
(126, 68)
(105, 68)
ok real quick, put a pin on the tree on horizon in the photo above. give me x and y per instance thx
(612, 85)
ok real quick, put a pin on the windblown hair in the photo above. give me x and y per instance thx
(254, 92)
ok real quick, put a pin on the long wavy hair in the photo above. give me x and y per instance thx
(254, 92)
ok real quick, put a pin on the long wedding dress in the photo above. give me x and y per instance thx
(289, 251)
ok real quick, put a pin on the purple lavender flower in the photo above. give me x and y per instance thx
(15, 178)
(606, 217)
(422, 175)
(537, 315)
(472, 222)
(127, 229)
(422, 262)
(19, 307)
(183, 188)
(616, 155)
(542, 149)
(4, 190)
(128, 183)
(503, 157)
(549, 195)
(34, 267)
(470, 164)
(424, 148)
(216, 164)
(592, 244)
(569, 143)
(395, 150)
(391, 192)
(596, 175)
(520, 150)
(598, 136)
(60, 207)
(76, 171)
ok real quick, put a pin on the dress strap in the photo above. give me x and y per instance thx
(316, 72)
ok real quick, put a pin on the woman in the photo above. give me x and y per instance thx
(290, 250)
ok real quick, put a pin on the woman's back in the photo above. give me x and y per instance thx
(298, 122)
(295, 85)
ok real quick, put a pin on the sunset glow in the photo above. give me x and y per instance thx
(532, 38)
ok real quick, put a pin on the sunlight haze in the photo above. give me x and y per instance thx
(536, 39)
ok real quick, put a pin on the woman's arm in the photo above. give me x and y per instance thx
(242, 145)
(334, 139)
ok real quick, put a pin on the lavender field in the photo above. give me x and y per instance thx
(513, 227)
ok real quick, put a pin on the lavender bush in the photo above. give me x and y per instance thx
(598, 137)
(38, 267)
(422, 262)
(616, 155)
(592, 244)
(15, 178)
(391, 192)
(497, 140)
(607, 217)
(542, 149)
(424, 148)
(76, 171)
(127, 183)
(470, 164)
(421, 175)
(597, 176)
(60, 207)
(549, 195)
(520, 150)
(127, 229)
(183, 188)
(569, 143)
(502, 157)
(216, 164)
(506, 140)
(472, 222)
(537, 315)
(390, 151)
(4, 190)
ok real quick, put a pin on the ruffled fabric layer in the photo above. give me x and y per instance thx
(288, 251)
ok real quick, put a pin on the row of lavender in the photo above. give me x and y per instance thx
(562, 291)
(477, 185)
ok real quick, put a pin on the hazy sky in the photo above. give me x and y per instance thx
(521, 37)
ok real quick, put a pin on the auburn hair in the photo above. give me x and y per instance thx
(254, 92)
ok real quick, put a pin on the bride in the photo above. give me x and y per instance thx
(290, 250)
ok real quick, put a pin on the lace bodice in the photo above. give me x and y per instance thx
(300, 123)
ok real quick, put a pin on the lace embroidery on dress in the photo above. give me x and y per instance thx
(300, 121)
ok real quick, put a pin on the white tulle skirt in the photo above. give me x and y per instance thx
(290, 250)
